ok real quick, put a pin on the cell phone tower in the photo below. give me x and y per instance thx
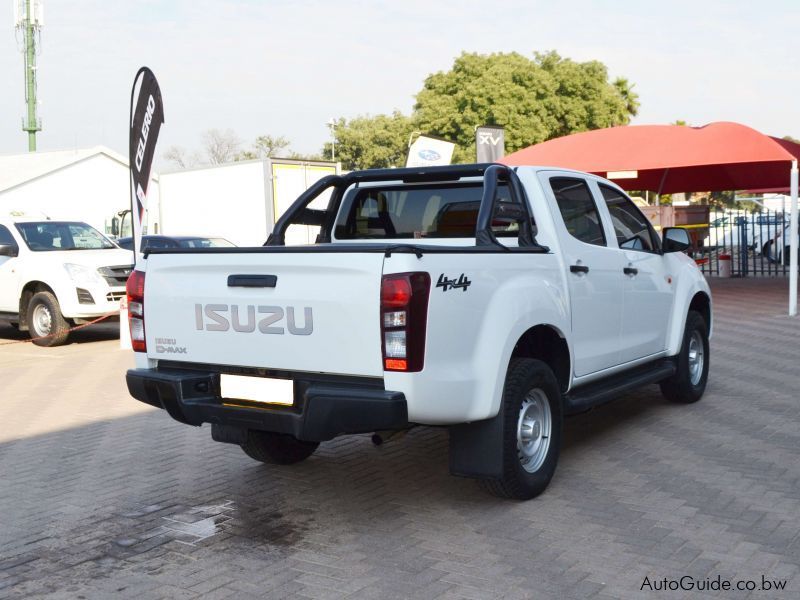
(29, 19)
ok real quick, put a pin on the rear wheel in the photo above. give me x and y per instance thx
(46, 325)
(766, 251)
(532, 416)
(277, 448)
(689, 381)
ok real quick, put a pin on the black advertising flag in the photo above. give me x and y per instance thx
(490, 143)
(147, 116)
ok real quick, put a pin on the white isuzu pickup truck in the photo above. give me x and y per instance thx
(487, 299)
(56, 274)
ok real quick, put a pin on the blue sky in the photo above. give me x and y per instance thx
(285, 68)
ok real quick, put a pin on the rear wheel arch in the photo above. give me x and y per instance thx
(548, 344)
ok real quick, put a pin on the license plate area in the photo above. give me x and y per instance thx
(263, 390)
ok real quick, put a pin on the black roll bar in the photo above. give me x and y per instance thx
(519, 209)
(492, 174)
(278, 235)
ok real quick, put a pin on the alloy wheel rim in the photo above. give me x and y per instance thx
(42, 320)
(696, 357)
(534, 428)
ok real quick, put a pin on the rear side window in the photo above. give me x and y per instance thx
(631, 227)
(577, 207)
(6, 239)
(409, 212)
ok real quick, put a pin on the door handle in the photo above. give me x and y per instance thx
(630, 271)
(578, 269)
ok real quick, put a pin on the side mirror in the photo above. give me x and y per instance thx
(676, 239)
(115, 226)
(9, 250)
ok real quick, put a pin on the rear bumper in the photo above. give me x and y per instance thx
(322, 409)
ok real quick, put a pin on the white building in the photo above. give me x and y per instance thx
(91, 185)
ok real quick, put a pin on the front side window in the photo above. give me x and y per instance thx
(49, 236)
(6, 239)
(630, 225)
(577, 207)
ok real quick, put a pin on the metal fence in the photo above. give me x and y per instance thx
(755, 243)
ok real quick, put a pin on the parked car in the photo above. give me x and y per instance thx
(175, 241)
(55, 274)
(487, 299)
(756, 231)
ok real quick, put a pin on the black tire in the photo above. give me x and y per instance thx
(766, 252)
(525, 378)
(46, 324)
(684, 386)
(277, 448)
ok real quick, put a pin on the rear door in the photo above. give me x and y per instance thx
(648, 287)
(314, 312)
(593, 273)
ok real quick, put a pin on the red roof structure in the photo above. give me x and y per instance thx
(671, 158)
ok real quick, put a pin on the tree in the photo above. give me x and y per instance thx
(369, 142)
(221, 146)
(266, 146)
(789, 138)
(534, 99)
(177, 155)
(181, 158)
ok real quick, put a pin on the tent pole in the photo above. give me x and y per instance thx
(793, 243)
(661, 187)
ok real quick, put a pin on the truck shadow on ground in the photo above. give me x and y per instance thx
(94, 333)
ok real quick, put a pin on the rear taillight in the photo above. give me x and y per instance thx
(404, 318)
(135, 291)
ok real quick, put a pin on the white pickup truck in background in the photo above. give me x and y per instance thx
(487, 299)
(56, 274)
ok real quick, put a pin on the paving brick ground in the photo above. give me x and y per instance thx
(103, 497)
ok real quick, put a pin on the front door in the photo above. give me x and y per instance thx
(593, 273)
(8, 278)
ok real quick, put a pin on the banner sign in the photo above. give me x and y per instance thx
(147, 116)
(490, 143)
(428, 152)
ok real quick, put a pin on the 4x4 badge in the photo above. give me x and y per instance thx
(451, 284)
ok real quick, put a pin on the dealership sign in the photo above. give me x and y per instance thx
(428, 152)
(490, 143)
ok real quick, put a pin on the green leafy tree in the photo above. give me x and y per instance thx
(534, 99)
(371, 142)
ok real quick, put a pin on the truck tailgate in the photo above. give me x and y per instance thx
(320, 313)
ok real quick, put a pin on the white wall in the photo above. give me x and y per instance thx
(229, 201)
(91, 190)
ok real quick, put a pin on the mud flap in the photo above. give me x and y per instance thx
(476, 449)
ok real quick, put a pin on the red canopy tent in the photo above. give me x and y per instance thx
(671, 158)
(675, 158)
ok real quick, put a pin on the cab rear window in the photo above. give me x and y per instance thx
(409, 212)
